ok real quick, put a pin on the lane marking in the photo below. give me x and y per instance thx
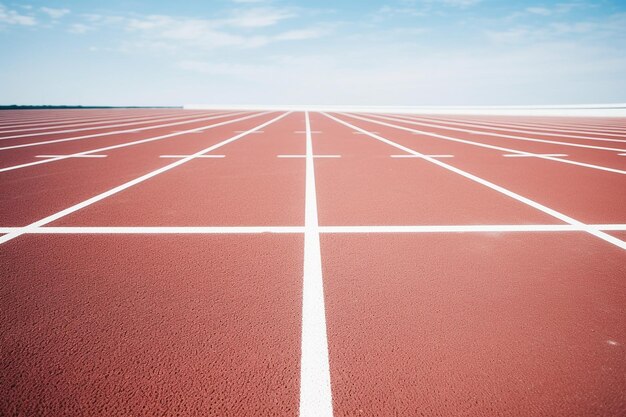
(196, 132)
(128, 184)
(416, 156)
(479, 144)
(532, 132)
(71, 156)
(312, 132)
(531, 155)
(191, 156)
(621, 154)
(360, 133)
(564, 218)
(305, 156)
(253, 133)
(119, 132)
(48, 126)
(137, 142)
(58, 132)
(490, 228)
(500, 135)
(315, 392)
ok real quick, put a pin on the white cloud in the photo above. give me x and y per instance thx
(54, 13)
(257, 17)
(542, 11)
(12, 17)
(78, 28)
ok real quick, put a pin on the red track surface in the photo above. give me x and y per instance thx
(209, 318)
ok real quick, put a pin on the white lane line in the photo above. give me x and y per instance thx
(564, 218)
(531, 155)
(621, 154)
(501, 135)
(359, 133)
(145, 119)
(137, 142)
(305, 156)
(416, 156)
(188, 156)
(489, 228)
(258, 132)
(118, 132)
(532, 132)
(312, 132)
(58, 132)
(479, 144)
(315, 392)
(71, 156)
(128, 184)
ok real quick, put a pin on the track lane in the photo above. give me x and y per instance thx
(249, 187)
(588, 195)
(368, 187)
(30, 194)
(151, 325)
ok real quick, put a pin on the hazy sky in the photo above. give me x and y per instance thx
(394, 52)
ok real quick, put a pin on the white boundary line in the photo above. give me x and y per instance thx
(488, 228)
(137, 142)
(71, 156)
(128, 184)
(186, 156)
(531, 155)
(305, 156)
(564, 218)
(117, 132)
(416, 156)
(479, 144)
(315, 392)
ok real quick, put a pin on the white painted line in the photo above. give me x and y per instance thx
(191, 156)
(71, 156)
(193, 133)
(57, 132)
(564, 218)
(315, 392)
(500, 135)
(128, 184)
(479, 144)
(258, 132)
(137, 142)
(489, 228)
(119, 132)
(304, 156)
(621, 154)
(513, 130)
(531, 155)
(360, 133)
(417, 156)
(312, 132)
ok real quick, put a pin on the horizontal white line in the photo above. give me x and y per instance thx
(71, 156)
(304, 156)
(323, 229)
(254, 133)
(187, 156)
(361, 133)
(531, 155)
(192, 133)
(304, 131)
(421, 156)
(622, 154)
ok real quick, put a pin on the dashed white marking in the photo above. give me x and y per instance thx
(312, 132)
(361, 133)
(532, 155)
(420, 156)
(254, 133)
(71, 156)
(622, 154)
(192, 156)
(315, 392)
(612, 342)
(305, 156)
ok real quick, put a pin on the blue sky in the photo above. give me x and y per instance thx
(394, 52)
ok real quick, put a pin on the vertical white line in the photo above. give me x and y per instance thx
(315, 392)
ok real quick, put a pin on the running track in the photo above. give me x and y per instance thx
(238, 263)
